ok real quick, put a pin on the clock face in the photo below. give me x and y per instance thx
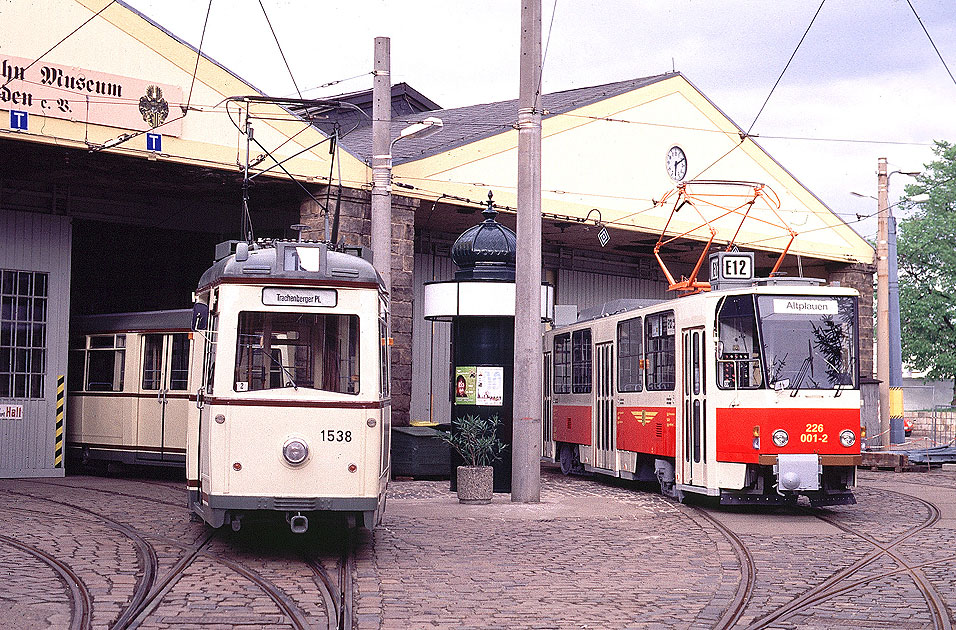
(676, 163)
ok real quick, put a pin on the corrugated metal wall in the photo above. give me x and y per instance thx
(586, 289)
(431, 354)
(38, 243)
(431, 350)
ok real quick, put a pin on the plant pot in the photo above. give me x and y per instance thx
(475, 484)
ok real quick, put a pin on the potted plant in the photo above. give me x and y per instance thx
(475, 438)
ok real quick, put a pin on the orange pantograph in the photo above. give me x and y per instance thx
(714, 200)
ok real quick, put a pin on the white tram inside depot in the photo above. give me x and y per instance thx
(748, 392)
(294, 402)
(130, 388)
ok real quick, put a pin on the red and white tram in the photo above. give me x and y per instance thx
(749, 392)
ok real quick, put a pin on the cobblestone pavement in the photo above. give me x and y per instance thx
(593, 554)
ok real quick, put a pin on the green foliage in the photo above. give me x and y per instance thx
(926, 250)
(475, 439)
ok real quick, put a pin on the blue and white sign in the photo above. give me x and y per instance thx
(19, 120)
(154, 142)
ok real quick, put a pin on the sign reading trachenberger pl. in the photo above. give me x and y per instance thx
(273, 296)
(55, 91)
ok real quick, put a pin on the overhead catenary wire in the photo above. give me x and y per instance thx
(202, 37)
(930, 38)
(767, 100)
(279, 46)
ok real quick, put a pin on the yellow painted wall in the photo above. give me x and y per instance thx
(121, 42)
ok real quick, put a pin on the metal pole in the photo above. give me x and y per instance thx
(382, 162)
(882, 303)
(896, 340)
(526, 435)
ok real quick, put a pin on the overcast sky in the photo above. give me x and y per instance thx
(866, 73)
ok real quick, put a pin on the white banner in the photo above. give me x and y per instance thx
(274, 296)
(794, 306)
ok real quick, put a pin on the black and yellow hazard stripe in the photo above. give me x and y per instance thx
(60, 405)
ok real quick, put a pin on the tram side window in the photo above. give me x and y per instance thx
(660, 351)
(383, 353)
(179, 362)
(581, 361)
(278, 350)
(562, 364)
(209, 357)
(738, 350)
(629, 377)
(105, 363)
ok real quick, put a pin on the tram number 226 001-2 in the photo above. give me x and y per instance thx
(335, 436)
(814, 433)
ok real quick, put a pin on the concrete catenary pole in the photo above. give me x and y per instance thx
(883, 302)
(526, 444)
(382, 162)
(896, 339)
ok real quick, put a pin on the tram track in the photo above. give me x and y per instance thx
(81, 600)
(839, 584)
(748, 573)
(112, 493)
(148, 591)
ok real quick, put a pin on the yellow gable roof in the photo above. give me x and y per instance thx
(90, 90)
(609, 154)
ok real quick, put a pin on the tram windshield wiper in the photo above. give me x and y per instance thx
(802, 373)
(284, 369)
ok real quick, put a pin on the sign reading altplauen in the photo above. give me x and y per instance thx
(77, 94)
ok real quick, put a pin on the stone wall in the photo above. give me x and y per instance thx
(859, 277)
(355, 228)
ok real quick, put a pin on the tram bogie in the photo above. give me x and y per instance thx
(748, 393)
(295, 406)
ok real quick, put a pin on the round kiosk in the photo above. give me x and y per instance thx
(480, 304)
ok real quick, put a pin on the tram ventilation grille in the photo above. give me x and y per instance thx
(659, 430)
(295, 504)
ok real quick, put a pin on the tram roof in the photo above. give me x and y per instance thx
(168, 320)
(277, 261)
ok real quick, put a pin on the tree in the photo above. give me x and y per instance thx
(927, 261)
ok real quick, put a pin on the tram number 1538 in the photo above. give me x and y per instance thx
(335, 436)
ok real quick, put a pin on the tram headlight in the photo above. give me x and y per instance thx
(847, 438)
(295, 451)
(780, 438)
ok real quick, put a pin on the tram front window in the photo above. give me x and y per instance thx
(809, 342)
(738, 347)
(315, 351)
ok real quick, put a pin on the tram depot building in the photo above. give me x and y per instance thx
(119, 174)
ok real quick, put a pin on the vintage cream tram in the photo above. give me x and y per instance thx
(748, 392)
(130, 388)
(294, 401)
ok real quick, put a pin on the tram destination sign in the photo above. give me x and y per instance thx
(731, 266)
(275, 296)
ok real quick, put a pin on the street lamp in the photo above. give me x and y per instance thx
(889, 354)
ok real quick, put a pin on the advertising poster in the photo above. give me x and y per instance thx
(490, 386)
(465, 378)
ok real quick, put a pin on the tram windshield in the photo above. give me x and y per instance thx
(809, 342)
(787, 342)
(316, 351)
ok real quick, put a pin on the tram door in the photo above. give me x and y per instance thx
(547, 411)
(605, 444)
(164, 397)
(694, 408)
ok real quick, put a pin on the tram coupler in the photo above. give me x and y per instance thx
(298, 523)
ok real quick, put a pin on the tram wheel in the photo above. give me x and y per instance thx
(566, 456)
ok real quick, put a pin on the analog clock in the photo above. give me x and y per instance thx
(676, 163)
